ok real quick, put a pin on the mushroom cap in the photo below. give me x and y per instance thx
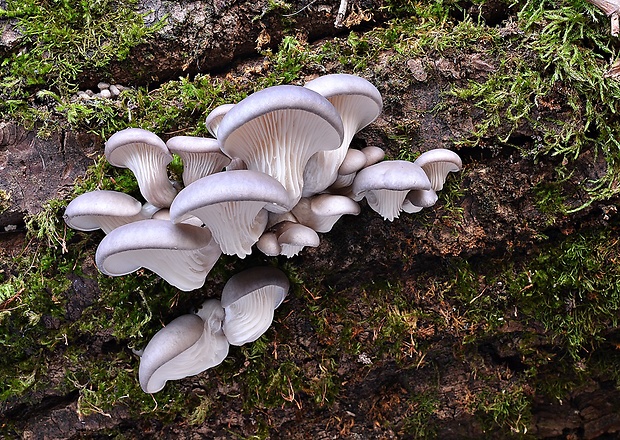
(181, 254)
(373, 155)
(293, 237)
(350, 94)
(437, 164)
(249, 300)
(424, 198)
(394, 175)
(147, 156)
(201, 156)
(169, 342)
(115, 147)
(215, 117)
(268, 244)
(354, 161)
(322, 211)
(101, 209)
(278, 129)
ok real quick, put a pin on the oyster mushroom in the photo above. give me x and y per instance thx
(147, 156)
(276, 130)
(437, 164)
(386, 184)
(249, 299)
(181, 254)
(233, 205)
(201, 156)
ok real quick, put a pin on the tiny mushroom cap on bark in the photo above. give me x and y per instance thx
(359, 103)
(147, 156)
(293, 237)
(102, 209)
(386, 184)
(437, 164)
(171, 341)
(418, 199)
(233, 205)
(187, 346)
(322, 211)
(276, 130)
(201, 156)
(215, 117)
(181, 254)
(249, 299)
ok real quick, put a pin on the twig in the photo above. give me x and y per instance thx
(342, 12)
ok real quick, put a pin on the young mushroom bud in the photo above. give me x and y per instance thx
(201, 156)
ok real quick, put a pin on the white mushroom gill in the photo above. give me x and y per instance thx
(251, 316)
(235, 225)
(387, 203)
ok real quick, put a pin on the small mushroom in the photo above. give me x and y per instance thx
(386, 184)
(201, 156)
(354, 161)
(249, 299)
(187, 346)
(293, 237)
(181, 254)
(437, 164)
(147, 156)
(233, 207)
(102, 209)
(322, 211)
(276, 130)
(359, 103)
(418, 199)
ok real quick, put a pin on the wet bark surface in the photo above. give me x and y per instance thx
(500, 220)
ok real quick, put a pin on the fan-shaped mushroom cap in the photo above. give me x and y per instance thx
(359, 103)
(181, 254)
(354, 161)
(373, 155)
(147, 156)
(322, 211)
(102, 209)
(168, 343)
(232, 205)
(437, 164)
(276, 130)
(172, 355)
(249, 299)
(201, 156)
(293, 237)
(268, 244)
(385, 185)
(215, 117)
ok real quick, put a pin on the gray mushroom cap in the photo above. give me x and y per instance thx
(373, 155)
(322, 211)
(437, 164)
(168, 343)
(181, 254)
(354, 161)
(386, 184)
(147, 156)
(102, 209)
(293, 237)
(250, 280)
(201, 156)
(233, 206)
(276, 130)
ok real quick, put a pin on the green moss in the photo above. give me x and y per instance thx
(508, 410)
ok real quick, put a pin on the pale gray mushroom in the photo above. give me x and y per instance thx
(354, 161)
(147, 156)
(102, 209)
(322, 211)
(418, 199)
(276, 130)
(359, 103)
(386, 184)
(181, 254)
(187, 346)
(437, 164)
(214, 118)
(373, 155)
(201, 156)
(233, 205)
(249, 299)
(294, 237)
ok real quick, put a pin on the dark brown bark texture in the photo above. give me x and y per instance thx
(499, 219)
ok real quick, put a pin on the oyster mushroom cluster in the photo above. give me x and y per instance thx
(277, 172)
(195, 342)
